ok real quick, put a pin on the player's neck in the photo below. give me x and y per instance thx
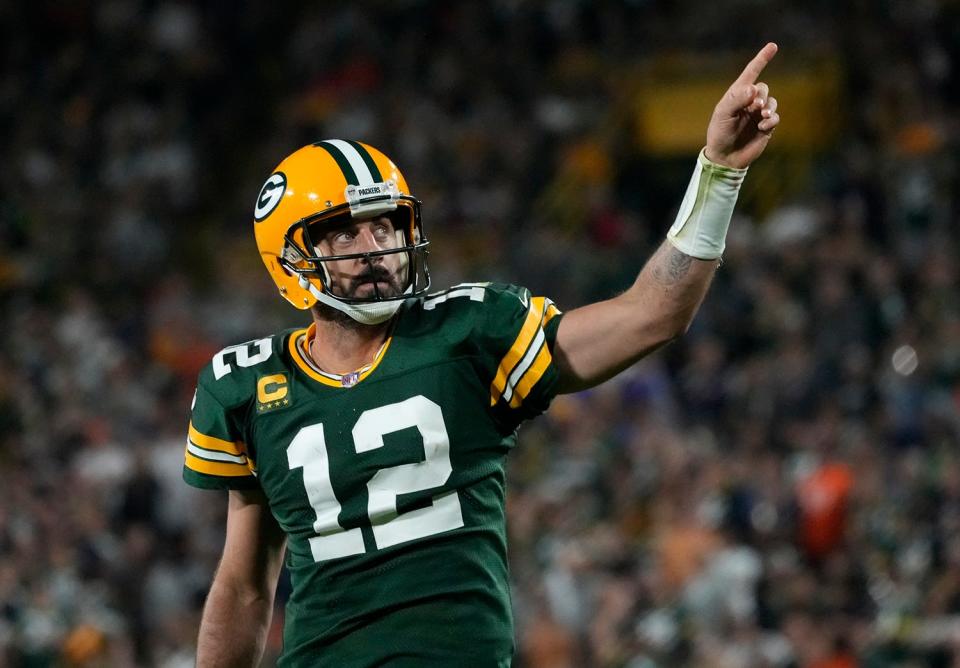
(343, 347)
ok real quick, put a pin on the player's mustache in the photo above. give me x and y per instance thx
(374, 273)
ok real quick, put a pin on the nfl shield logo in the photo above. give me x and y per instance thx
(350, 379)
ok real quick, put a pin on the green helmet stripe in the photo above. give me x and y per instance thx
(348, 173)
(367, 159)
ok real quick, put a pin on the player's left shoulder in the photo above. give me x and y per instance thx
(454, 307)
(474, 298)
(469, 309)
(508, 302)
(460, 296)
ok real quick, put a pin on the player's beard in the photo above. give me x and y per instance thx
(389, 287)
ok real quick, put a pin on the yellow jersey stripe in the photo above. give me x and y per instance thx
(214, 455)
(540, 365)
(527, 333)
(225, 469)
(236, 448)
(550, 313)
(528, 357)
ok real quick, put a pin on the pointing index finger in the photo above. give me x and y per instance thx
(753, 69)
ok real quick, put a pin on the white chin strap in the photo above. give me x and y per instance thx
(372, 313)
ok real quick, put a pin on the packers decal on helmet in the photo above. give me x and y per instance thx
(270, 196)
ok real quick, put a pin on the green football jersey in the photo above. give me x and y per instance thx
(388, 482)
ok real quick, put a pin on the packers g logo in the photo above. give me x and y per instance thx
(270, 195)
(272, 392)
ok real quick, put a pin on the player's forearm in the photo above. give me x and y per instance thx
(667, 294)
(234, 627)
(598, 341)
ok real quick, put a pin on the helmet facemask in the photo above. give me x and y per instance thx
(301, 255)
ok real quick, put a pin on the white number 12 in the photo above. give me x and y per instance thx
(308, 450)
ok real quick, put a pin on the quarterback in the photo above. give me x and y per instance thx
(369, 446)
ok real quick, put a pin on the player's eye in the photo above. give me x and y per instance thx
(343, 238)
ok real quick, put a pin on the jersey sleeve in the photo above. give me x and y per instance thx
(216, 456)
(518, 332)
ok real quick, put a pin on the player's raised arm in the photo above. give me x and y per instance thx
(598, 341)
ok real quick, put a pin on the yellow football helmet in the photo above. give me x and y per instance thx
(318, 184)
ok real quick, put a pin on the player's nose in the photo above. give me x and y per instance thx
(366, 242)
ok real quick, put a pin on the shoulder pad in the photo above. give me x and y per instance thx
(475, 292)
(231, 375)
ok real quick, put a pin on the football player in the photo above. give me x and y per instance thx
(370, 445)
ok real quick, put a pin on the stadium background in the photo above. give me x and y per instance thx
(780, 488)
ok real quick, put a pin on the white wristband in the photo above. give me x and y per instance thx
(700, 229)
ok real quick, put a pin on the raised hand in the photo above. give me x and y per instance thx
(745, 117)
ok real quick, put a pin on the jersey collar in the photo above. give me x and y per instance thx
(297, 345)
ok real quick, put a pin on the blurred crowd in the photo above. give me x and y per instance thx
(780, 488)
